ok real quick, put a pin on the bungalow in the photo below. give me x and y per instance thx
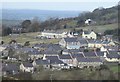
(89, 62)
(89, 35)
(70, 43)
(112, 56)
(27, 67)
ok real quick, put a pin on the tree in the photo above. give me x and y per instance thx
(35, 25)
(26, 24)
(6, 30)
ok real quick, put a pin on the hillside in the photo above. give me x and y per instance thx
(100, 15)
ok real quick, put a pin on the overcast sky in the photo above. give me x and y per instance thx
(70, 5)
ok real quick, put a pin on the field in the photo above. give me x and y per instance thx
(22, 38)
(101, 28)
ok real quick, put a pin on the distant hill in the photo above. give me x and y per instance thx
(22, 14)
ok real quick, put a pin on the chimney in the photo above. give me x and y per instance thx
(105, 54)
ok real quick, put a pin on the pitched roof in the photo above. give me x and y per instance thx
(114, 48)
(27, 64)
(55, 47)
(50, 52)
(78, 55)
(41, 45)
(113, 54)
(40, 61)
(87, 32)
(54, 60)
(82, 40)
(90, 54)
(89, 59)
(52, 57)
(91, 41)
(65, 56)
(70, 39)
(99, 53)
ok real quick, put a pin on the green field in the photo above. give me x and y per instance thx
(101, 28)
(115, 69)
(22, 38)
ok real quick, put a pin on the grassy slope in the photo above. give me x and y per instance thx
(101, 28)
(30, 36)
(22, 38)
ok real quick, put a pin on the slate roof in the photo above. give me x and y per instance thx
(105, 42)
(52, 57)
(115, 48)
(27, 64)
(74, 50)
(65, 57)
(98, 41)
(79, 55)
(89, 60)
(35, 52)
(90, 54)
(70, 39)
(27, 49)
(82, 41)
(55, 47)
(91, 41)
(100, 53)
(41, 45)
(54, 60)
(108, 36)
(87, 32)
(50, 52)
(43, 62)
(113, 54)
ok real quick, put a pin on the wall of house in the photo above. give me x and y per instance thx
(62, 43)
(91, 45)
(89, 36)
(112, 59)
(26, 69)
(88, 64)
